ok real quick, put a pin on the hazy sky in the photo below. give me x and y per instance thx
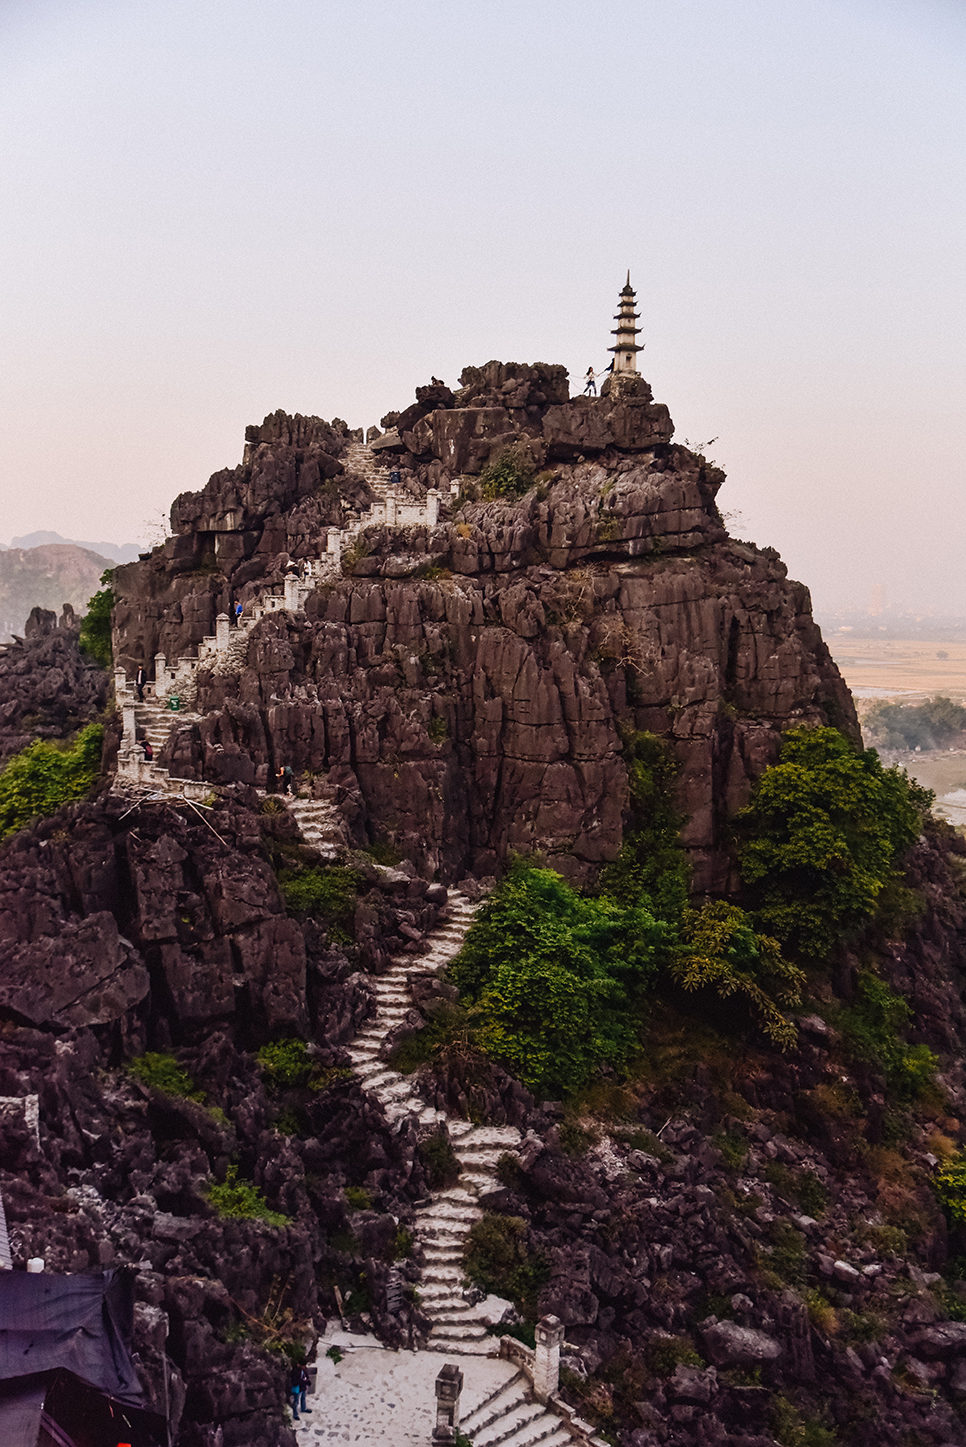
(211, 210)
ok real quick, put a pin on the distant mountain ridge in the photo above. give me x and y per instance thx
(113, 552)
(47, 577)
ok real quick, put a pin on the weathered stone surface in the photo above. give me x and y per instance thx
(44, 678)
(731, 1345)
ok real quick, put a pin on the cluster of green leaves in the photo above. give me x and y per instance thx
(928, 725)
(95, 629)
(497, 1259)
(358, 1198)
(45, 776)
(237, 1200)
(329, 894)
(822, 836)
(722, 951)
(287, 1063)
(162, 1072)
(508, 475)
(871, 1027)
(552, 976)
(950, 1186)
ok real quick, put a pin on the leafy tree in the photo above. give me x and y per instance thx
(553, 976)
(720, 950)
(44, 776)
(824, 832)
(95, 629)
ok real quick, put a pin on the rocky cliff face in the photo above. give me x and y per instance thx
(48, 688)
(124, 930)
(464, 689)
(47, 576)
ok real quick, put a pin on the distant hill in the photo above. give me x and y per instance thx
(114, 552)
(48, 576)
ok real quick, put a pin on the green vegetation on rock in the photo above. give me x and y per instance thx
(237, 1200)
(44, 776)
(826, 828)
(95, 629)
(509, 475)
(554, 976)
(162, 1072)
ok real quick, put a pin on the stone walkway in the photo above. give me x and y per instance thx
(374, 1397)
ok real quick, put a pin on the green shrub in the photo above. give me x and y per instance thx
(242, 1201)
(871, 1028)
(44, 776)
(664, 1353)
(791, 1429)
(721, 951)
(509, 475)
(328, 894)
(950, 1186)
(825, 831)
(496, 1258)
(95, 629)
(163, 1072)
(553, 976)
(358, 1198)
(287, 1063)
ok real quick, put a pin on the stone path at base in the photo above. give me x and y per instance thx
(374, 1398)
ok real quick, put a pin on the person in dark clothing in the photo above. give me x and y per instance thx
(148, 750)
(288, 779)
(140, 679)
(591, 379)
(298, 1382)
(395, 477)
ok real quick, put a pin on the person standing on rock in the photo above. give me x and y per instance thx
(288, 779)
(239, 610)
(140, 679)
(591, 379)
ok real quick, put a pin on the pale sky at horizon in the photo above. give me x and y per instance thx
(214, 210)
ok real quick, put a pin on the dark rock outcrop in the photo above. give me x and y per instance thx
(48, 688)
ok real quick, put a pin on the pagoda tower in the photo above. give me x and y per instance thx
(626, 349)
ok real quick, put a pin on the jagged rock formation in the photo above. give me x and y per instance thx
(45, 576)
(47, 686)
(464, 687)
(455, 690)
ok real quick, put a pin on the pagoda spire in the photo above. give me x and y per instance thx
(626, 349)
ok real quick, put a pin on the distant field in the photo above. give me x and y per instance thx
(876, 668)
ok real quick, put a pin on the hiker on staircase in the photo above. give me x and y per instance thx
(239, 610)
(140, 679)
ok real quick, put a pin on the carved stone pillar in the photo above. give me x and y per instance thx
(222, 626)
(449, 1385)
(546, 1366)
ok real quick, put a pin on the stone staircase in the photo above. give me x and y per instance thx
(320, 824)
(512, 1415)
(443, 1224)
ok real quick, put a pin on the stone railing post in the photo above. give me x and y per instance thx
(449, 1385)
(160, 675)
(129, 737)
(432, 507)
(390, 509)
(546, 1365)
(120, 682)
(292, 592)
(222, 625)
(333, 546)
